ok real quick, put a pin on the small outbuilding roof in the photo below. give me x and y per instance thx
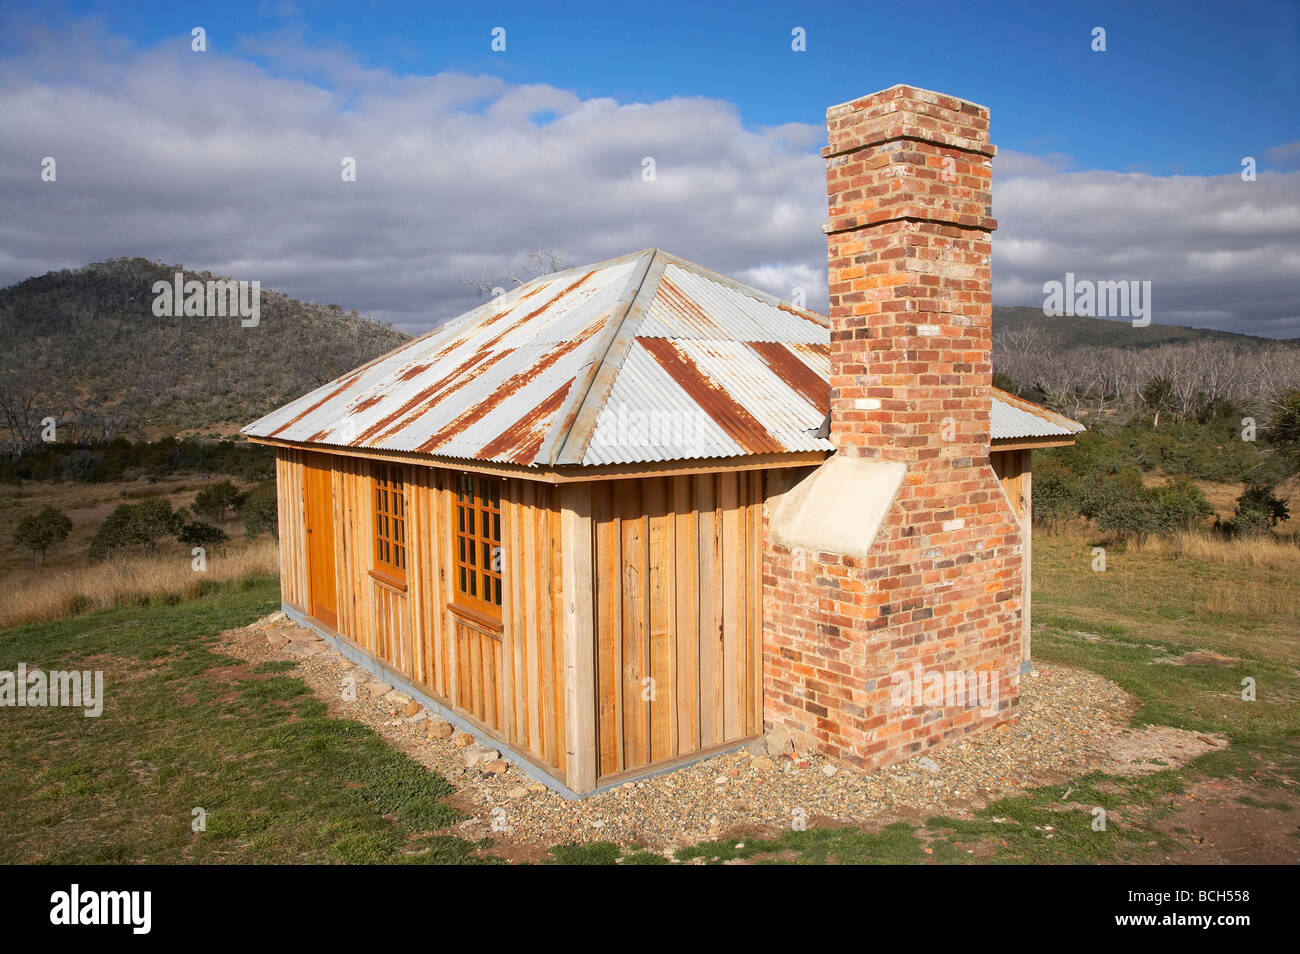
(641, 358)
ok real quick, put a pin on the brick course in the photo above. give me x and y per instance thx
(908, 177)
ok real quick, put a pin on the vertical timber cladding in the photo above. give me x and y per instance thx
(678, 596)
(292, 528)
(1015, 471)
(510, 679)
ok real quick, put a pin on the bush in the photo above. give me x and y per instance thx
(199, 534)
(1258, 511)
(1056, 493)
(260, 512)
(42, 532)
(1122, 505)
(1180, 505)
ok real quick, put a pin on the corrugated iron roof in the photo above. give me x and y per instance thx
(646, 357)
(1014, 417)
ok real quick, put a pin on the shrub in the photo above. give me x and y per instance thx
(199, 534)
(1180, 505)
(1122, 505)
(42, 531)
(1056, 493)
(1258, 511)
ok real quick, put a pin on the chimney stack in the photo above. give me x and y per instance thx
(908, 178)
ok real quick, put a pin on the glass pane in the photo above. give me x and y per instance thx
(496, 527)
(473, 584)
(496, 585)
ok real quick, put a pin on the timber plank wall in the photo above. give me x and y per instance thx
(606, 585)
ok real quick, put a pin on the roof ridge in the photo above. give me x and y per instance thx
(575, 408)
(583, 424)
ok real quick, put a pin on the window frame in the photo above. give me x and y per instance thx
(390, 524)
(476, 502)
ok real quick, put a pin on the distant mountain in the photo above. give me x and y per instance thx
(1078, 332)
(84, 345)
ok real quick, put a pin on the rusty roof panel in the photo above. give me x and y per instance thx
(694, 304)
(641, 358)
(483, 386)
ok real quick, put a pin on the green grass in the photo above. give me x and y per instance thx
(186, 728)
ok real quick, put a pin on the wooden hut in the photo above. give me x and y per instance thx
(551, 519)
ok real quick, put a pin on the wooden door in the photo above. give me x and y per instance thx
(318, 512)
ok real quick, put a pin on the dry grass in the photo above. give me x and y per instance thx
(55, 593)
(1274, 553)
(1230, 595)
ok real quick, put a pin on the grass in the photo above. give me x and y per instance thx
(186, 731)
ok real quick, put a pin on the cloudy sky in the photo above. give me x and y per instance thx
(1122, 164)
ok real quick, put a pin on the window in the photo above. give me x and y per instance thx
(478, 544)
(390, 522)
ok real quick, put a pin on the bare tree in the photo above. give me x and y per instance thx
(538, 261)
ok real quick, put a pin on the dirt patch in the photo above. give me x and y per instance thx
(1155, 748)
(1218, 825)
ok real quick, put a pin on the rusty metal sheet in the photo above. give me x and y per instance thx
(646, 357)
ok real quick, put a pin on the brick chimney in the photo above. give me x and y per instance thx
(899, 560)
(908, 178)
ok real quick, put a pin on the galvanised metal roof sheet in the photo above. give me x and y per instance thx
(1014, 417)
(646, 357)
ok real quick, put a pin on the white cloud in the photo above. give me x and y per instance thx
(216, 162)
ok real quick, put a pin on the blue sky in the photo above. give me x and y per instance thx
(1186, 87)
(1123, 164)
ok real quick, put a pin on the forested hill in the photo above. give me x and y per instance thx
(84, 345)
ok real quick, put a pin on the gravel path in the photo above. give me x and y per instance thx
(1070, 720)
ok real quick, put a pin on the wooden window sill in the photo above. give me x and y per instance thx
(477, 617)
(389, 581)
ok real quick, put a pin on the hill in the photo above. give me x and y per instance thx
(1080, 332)
(84, 346)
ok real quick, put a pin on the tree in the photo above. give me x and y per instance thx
(1158, 395)
(42, 531)
(260, 512)
(213, 502)
(538, 261)
(1282, 433)
(139, 525)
